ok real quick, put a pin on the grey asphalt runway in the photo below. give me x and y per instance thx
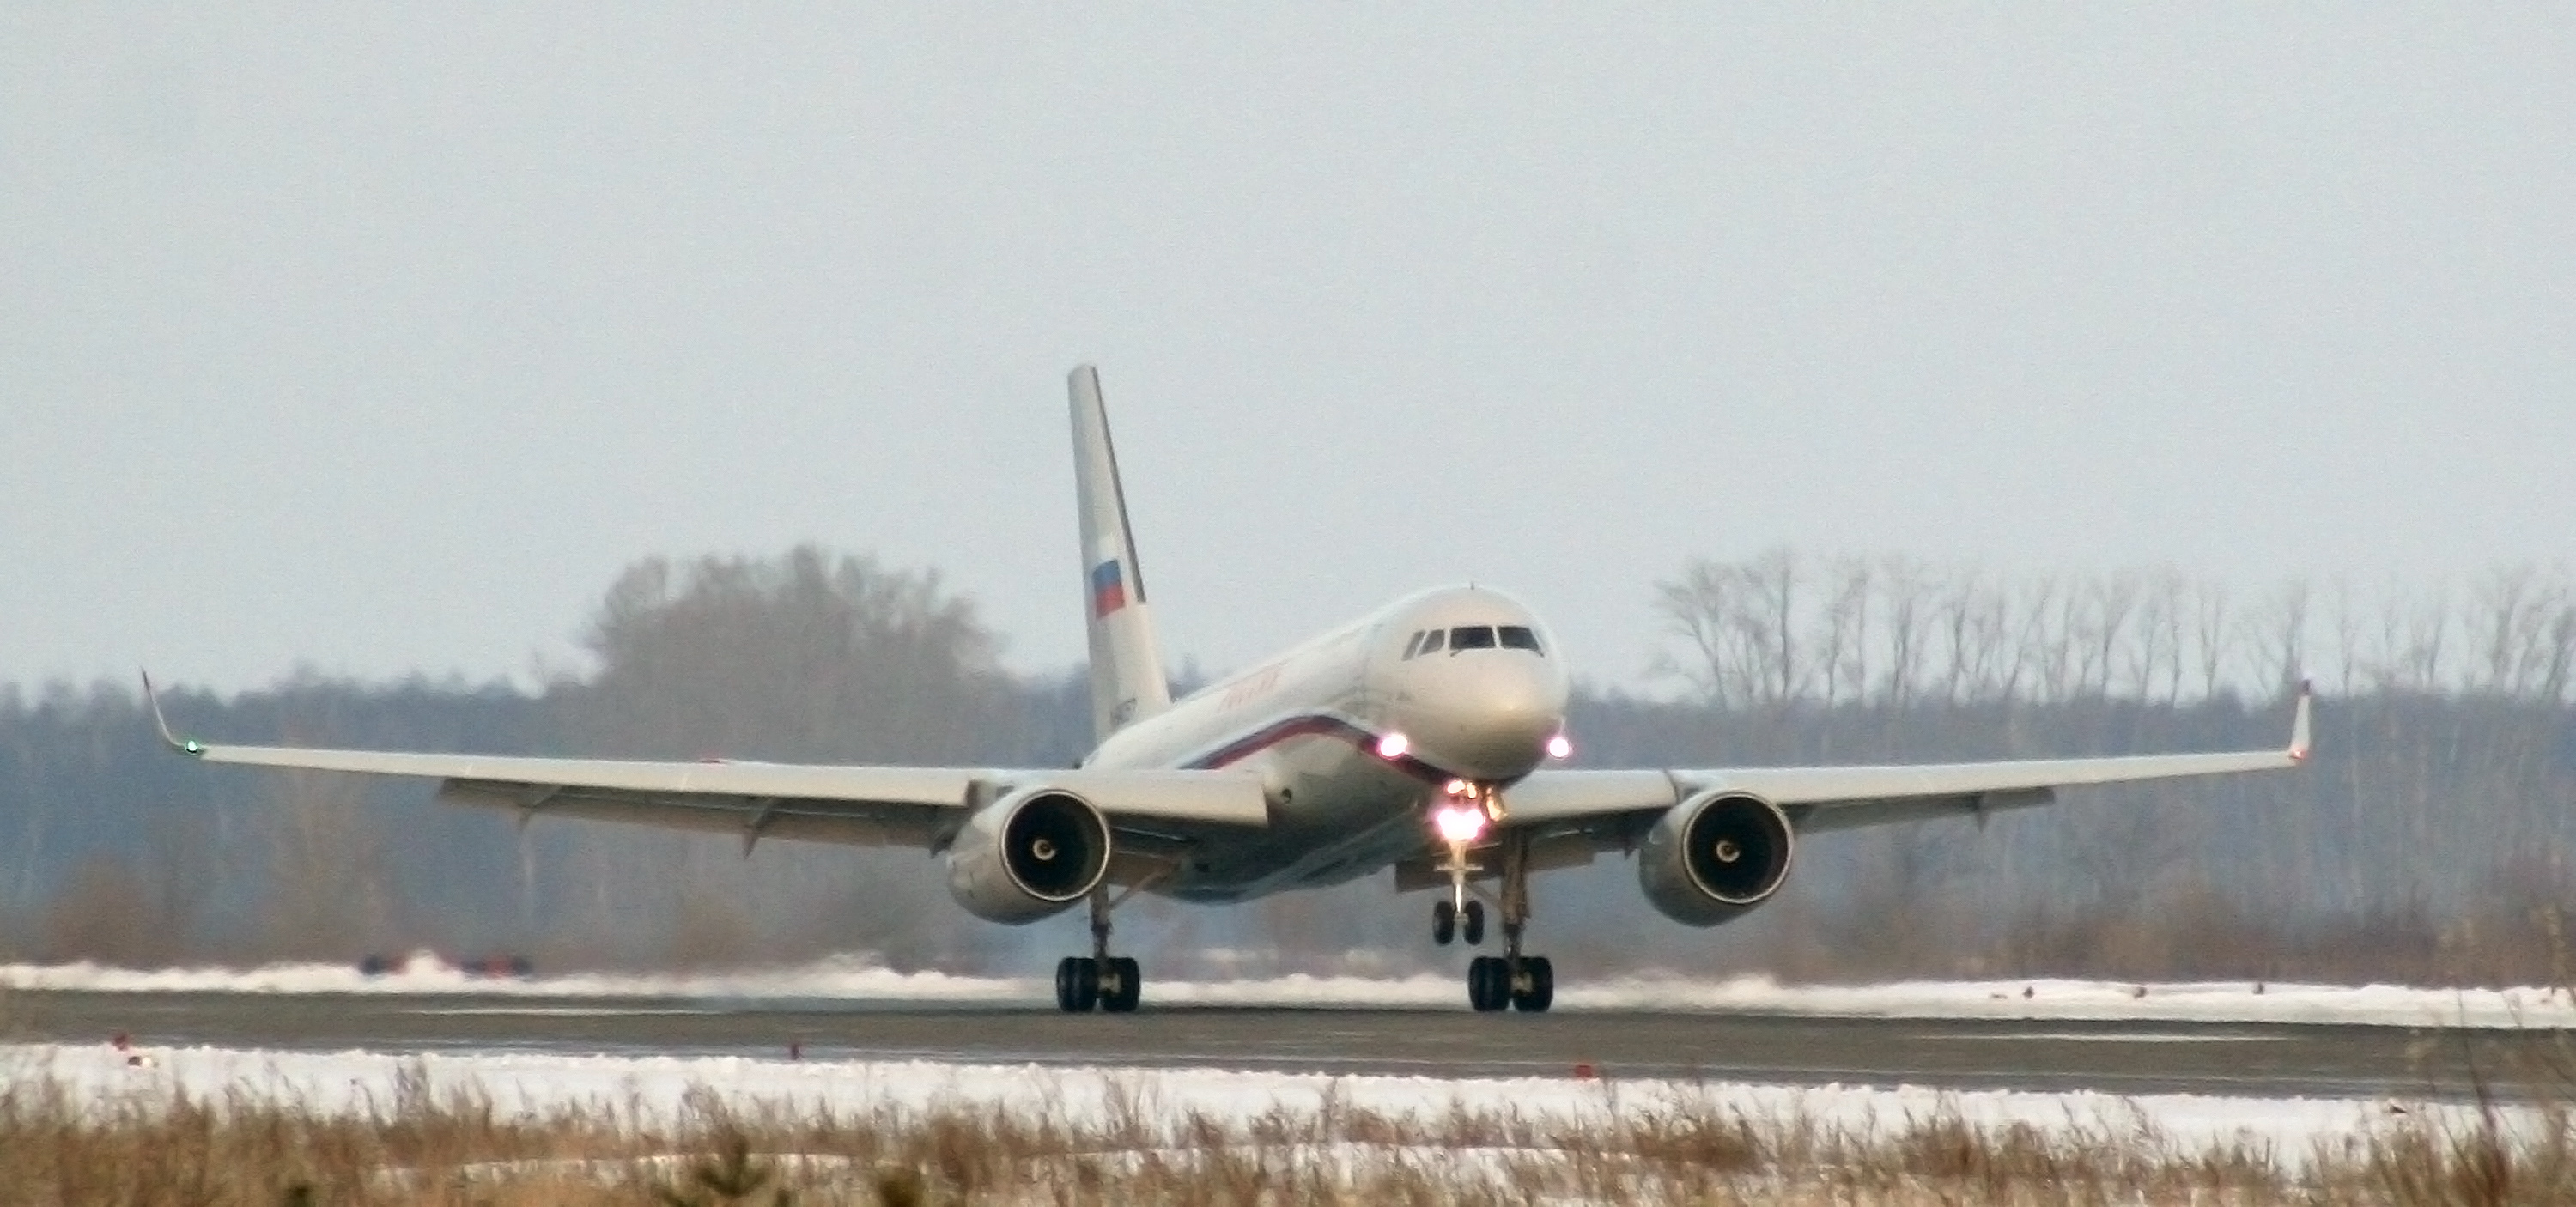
(2266, 1060)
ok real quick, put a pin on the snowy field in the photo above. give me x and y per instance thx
(2214, 1002)
(653, 1088)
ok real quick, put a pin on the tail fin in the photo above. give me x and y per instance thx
(1127, 681)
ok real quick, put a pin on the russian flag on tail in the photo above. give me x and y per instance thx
(1108, 588)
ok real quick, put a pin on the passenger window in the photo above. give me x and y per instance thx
(1518, 637)
(1472, 637)
(1430, 642)
(1413, 643)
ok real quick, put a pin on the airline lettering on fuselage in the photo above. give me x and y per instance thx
(1253, 686)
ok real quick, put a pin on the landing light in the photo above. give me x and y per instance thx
(1560, 747)
(1393, 745)
(1459, 823)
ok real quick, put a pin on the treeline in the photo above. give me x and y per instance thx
(1777, 630)
(2427, 843)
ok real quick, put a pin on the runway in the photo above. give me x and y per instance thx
(2116, 1057)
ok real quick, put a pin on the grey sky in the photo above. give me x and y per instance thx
(379, 339)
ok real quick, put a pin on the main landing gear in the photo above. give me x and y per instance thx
(1114, 983)
(1512, 980)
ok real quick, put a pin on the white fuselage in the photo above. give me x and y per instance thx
(1354, 739)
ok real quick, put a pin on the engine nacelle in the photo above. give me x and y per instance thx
(1715, 856)
(1028, 856)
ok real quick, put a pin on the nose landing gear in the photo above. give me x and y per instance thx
(1460, 819)
(1449, 917)
(1512, 980)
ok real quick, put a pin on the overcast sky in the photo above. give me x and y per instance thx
(376, 340)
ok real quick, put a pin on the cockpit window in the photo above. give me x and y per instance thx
(1431, 642)
(1518, 637)
(1472, 637)
(1413, 644)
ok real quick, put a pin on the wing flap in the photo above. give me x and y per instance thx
(844, 822)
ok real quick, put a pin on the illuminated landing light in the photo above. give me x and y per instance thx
(1393, 745)
(1459, 823)
(1560, 747)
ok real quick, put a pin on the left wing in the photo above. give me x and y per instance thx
(862, 805)
(1606, 803)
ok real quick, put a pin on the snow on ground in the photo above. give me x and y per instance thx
(2221, 1001)
(653, 1088)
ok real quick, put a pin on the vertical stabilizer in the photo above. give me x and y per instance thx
(1127, 681)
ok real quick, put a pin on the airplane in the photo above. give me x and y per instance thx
(1427, 737)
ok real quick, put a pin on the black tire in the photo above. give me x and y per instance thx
(1077, 984)
(1489, 984)
(1121, 997)
(1538, 990)
(1473, 925)
(1444, 921)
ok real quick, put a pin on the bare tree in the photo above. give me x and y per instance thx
(2282, 641)
(1976, 621)
(1742, 622)
(2515, 619)
(2212, 623)
(2113, 602)
(327, 890)
(807, 656)
(2558, 656)
(2156, 638)
(1699, 607)
(2347, 636)
(1842, 631)
(2034, 654)
(1903, 595)
(2427, 642)
(1771, 580)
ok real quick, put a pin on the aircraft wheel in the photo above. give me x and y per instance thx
(1489, 984)
(1474, 923)
(1077, 984)
(1535, 989)
(1123, 987)
(1444, 921)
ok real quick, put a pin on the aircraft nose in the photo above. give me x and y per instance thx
(1495, 718)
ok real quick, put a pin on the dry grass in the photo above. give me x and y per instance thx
(455, 1147)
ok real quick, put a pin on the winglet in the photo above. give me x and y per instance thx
(2299, 745)
(153, 700)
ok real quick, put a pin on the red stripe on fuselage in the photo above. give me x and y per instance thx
(1316, 725)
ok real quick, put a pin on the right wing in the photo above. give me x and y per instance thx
(1614, 807)
(861, 805)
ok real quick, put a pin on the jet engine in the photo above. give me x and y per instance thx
(1028, 856)
(1715, 856)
